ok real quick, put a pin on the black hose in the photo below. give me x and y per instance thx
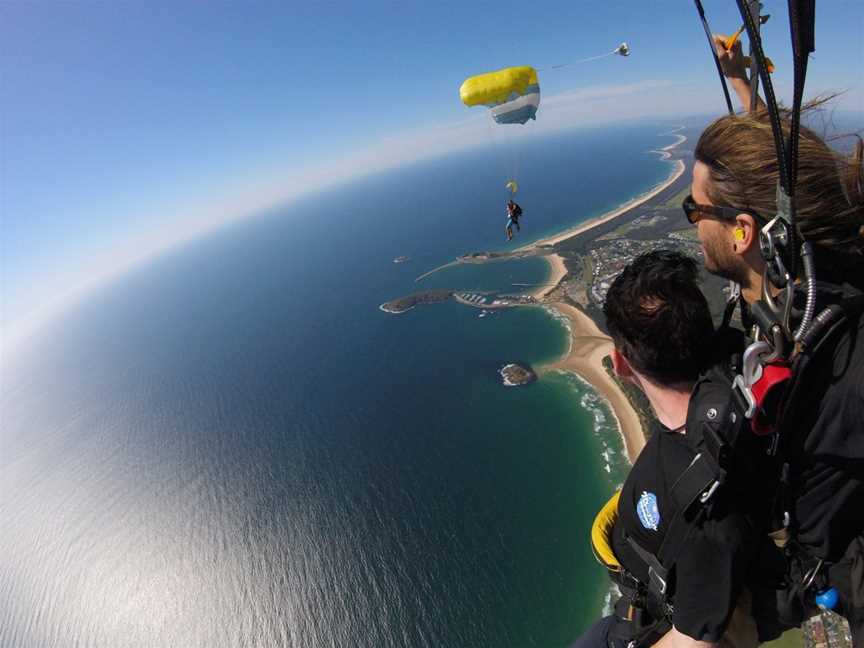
(710, 37)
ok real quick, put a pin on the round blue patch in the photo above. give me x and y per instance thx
(648, 511)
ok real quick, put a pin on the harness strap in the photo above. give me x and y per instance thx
(698, 481)
(657, 574)
(824, 331)
(755, 7)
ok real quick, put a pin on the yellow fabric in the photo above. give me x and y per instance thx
(494, 88)
(601, 534)
(512, 186)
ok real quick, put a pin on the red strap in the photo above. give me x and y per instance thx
(769, 389)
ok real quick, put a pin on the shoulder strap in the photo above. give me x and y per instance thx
(821, 337)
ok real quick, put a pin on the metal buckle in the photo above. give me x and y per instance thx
(654, 577)
(808, 578)
(751, 371)
(704, 497)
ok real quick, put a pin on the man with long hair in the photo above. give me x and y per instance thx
(733, 197)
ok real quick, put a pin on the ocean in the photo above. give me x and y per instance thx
(233, 446)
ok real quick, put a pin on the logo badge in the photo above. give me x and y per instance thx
(648, 511)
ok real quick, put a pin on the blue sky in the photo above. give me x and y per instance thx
(126, 126)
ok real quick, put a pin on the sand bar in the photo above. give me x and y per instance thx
(557, 272)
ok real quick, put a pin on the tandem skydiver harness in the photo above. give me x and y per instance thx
(735, 422)
(731, 465)
(769, 388)
(720, 454)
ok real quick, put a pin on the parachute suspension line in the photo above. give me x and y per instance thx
(517, 156)
(497, 149)
(585, 60)
(505, 155)
(701, 11)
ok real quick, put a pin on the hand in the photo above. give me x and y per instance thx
(731, 60)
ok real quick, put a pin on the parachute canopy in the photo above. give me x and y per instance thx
(623, 49)
(513, 94)
(512, 186)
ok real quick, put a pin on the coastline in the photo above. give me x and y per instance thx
(581, 228)
(588, 344)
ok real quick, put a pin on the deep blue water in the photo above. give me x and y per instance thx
(234, 446)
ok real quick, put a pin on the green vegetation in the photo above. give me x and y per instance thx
(636, 397)
(675, 201)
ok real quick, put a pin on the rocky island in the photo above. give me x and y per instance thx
(514, 375)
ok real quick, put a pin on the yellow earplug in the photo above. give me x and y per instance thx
(739, 233)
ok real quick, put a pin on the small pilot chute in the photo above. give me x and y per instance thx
(512, 186)
(511, 94)
(623, 49)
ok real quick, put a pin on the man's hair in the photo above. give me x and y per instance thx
(740, 155)
(658, 317)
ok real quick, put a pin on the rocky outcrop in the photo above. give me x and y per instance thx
(514, 375)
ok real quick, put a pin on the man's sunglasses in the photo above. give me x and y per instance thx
(692, 209)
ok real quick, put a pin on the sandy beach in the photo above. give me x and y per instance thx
(588, 344)
(557, 272)
(588, 347)
(605, 218)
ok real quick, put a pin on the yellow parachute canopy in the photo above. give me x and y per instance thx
(601, 532)
(513, 93)
(512, 186)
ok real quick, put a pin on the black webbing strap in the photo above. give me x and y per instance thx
(758, 57)
(710, 37)
(696, 481)
(802, 20)
(755, 7)
(657, 574)
(820, 338)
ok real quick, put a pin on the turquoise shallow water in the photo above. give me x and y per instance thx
(234, 446)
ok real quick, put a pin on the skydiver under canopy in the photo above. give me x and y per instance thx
(514, 212)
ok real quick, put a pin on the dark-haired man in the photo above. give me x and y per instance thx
(662, 331)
